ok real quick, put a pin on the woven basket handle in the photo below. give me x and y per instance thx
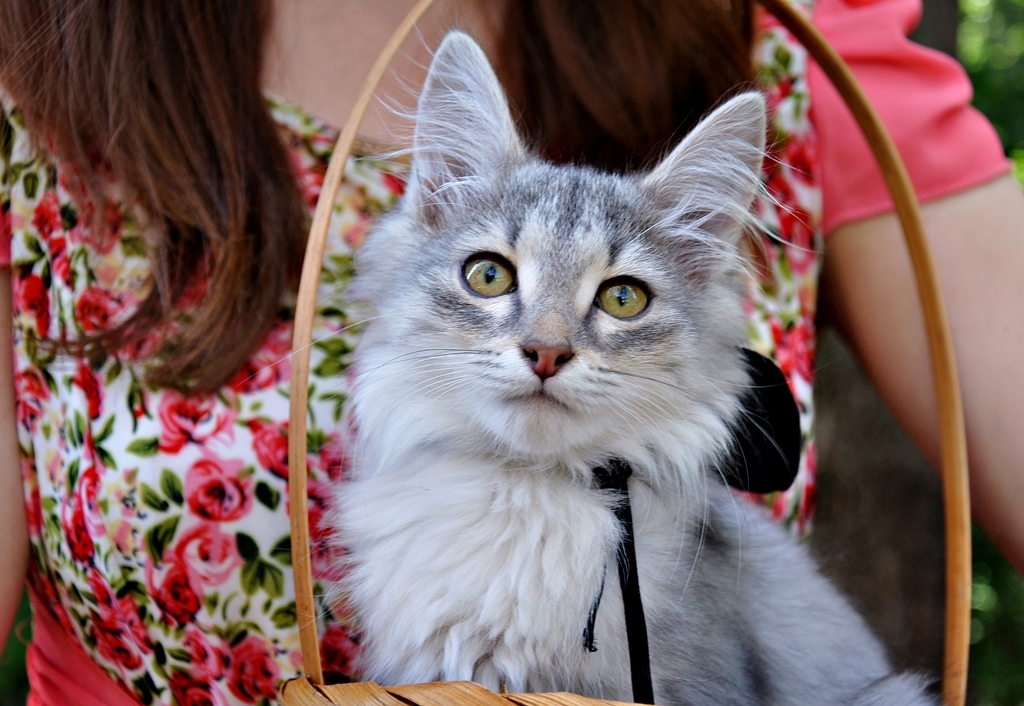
(956, 495)
(302, 341)
(954, 444)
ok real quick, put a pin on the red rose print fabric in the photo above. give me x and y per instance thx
(782, 294)
(159, 520)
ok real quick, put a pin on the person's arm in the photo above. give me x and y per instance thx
(14, 549)
(977, 239)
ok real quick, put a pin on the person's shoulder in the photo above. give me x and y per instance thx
(946, 144)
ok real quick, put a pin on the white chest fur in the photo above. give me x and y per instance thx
(464, 570)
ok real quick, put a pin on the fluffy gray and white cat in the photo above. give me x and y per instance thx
(532, 322)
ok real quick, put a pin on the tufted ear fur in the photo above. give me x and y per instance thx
(707, 183)
(464, 131)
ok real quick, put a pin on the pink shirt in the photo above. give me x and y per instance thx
(922, 95)
(60, 671)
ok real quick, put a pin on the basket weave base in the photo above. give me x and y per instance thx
(301, 692)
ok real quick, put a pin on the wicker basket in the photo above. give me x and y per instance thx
(311, 691)
(301, 692)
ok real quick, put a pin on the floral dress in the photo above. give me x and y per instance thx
(159, 521)
(782, 293)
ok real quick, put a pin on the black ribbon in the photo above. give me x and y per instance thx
(616, 477)
(765, 453)
(764, 457)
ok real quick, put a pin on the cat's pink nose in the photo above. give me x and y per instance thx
(546, 360)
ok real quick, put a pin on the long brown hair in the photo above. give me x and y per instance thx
(612, 83)
(167, 97)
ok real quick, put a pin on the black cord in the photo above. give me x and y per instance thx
(616, 477)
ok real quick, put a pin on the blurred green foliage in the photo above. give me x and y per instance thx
(1018, 165)
(13, 680)
(997, 629)
(990, 45)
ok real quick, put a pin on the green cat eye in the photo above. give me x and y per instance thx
(489, 275)
(622, 298)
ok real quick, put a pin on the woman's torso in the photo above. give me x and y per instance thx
(159, 521)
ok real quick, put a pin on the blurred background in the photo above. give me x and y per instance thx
(878, 528)
(879, 520)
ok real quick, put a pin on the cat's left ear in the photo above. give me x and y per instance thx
(710, 179)
(464, 129)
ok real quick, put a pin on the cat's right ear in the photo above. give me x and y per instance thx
(707, 183)
(464, 130)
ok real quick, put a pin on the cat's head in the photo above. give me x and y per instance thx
(556, 309)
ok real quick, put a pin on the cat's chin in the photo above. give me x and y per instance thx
(539, 402)
(541, 426)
